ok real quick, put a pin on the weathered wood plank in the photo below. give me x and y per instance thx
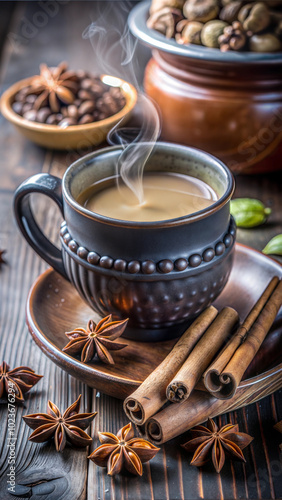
(169, 475)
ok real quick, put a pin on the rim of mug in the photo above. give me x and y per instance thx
(185, 219)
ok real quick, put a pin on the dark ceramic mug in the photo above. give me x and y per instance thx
(159, 274)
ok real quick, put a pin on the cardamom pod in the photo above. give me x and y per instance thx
(249, 212)
(274, 246)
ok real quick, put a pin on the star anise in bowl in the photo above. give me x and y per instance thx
(17, 381)
(96, 339)
(212, 442)
(67, 109)
(68, 426)
(59, 96)
(52, 86)
(123, 451)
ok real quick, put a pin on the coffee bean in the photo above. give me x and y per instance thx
(72, 111)
(86, 83)
(111, 103)
(85, 119)
(26, 107)
(67, 122)
(114, 91)
(52, 120)
(81, 74)
(43, 114)
(100, 105)
(64, 111)
(86, 107)
(85, 95)
(31, 98)
(96, 89)
(17, 107)
(30, 115)
(21, 94)
(94, 101)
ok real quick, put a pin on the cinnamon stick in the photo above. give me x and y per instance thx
(224, 375)
(150, 395)
(171, 422)
(191, 371)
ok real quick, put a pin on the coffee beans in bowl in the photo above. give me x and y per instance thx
(61, 108)
(65, 98)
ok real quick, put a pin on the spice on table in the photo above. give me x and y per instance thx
(249, 212)
(174, 420)
(67, 426)
(212, 442)
(2, 260)
(225, 373)
(17, 381)
(96, 339)
(151, 394)
(123, 451)
(274, 246)
(204, 351)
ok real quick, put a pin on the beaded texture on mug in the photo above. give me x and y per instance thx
(164, 266)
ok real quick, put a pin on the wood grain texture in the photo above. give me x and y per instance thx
(41, 471)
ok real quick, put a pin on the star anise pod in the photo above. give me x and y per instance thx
(123, 451)
(97, 339)
(19, 380)
(216, 442)
(68, 426)
(2, 261)
(233, 38)
(54, 85)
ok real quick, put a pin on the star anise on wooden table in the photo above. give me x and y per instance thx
(216, 442)
(19, 380)
(123, 451)
(54, 85)
(2, 260)
(67, 426)
(96, 339)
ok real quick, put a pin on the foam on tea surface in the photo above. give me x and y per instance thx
(166, 196)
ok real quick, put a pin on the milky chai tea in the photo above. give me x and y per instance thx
(166, 196)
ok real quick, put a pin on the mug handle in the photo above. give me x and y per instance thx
(50, 186)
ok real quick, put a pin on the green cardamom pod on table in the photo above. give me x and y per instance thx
(274, 246)
(249, 212)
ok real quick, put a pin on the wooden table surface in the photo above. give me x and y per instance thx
(30, 35)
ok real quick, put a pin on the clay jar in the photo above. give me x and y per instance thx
(160, 274)
(229, 104)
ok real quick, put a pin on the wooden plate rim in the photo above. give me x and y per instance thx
(61, 358)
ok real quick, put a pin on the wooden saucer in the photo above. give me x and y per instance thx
(54, 307)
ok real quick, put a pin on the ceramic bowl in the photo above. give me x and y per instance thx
(76, 136)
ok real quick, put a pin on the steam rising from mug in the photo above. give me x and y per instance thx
(115, 54)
